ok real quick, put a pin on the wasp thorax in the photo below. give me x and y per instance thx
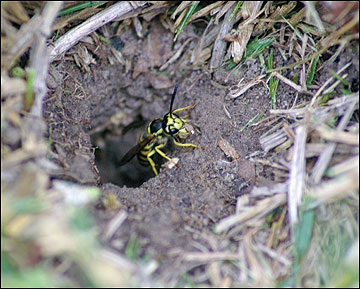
(171, 124)
(155, 126)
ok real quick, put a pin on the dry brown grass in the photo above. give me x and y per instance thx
(48, 235)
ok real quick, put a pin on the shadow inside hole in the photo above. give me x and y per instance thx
(111, 148)
(109, 155)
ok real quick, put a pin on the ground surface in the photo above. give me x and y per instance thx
(174, 211)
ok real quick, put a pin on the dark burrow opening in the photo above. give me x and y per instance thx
(114, 141)
(110, 148)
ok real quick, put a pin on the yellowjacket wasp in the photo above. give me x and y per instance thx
(159, 131)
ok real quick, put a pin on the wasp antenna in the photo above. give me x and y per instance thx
(173, 97)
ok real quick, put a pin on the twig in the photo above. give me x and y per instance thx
(220, 44)
(72, 37)
(114, 225)
(324, 159)
(337, 136)
(39, 60)
(297, 175)
(261, 208)
(289, 82)
(337, 188)
(337, 106)
(327, 82)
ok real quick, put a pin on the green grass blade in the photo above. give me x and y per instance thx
(273, 82)
(303, 231)
(189, 13)
(237, 7)
(29, 95)
(312, 71)
(80, 6)
(256, 46)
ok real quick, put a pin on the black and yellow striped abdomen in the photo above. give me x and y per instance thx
(150, 148)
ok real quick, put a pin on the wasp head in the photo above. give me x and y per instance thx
(172, 124)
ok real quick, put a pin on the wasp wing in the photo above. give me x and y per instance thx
(135, 150)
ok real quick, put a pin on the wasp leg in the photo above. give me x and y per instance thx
(185, 144)
(151, 162)
(160, 152)
(184, 108)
